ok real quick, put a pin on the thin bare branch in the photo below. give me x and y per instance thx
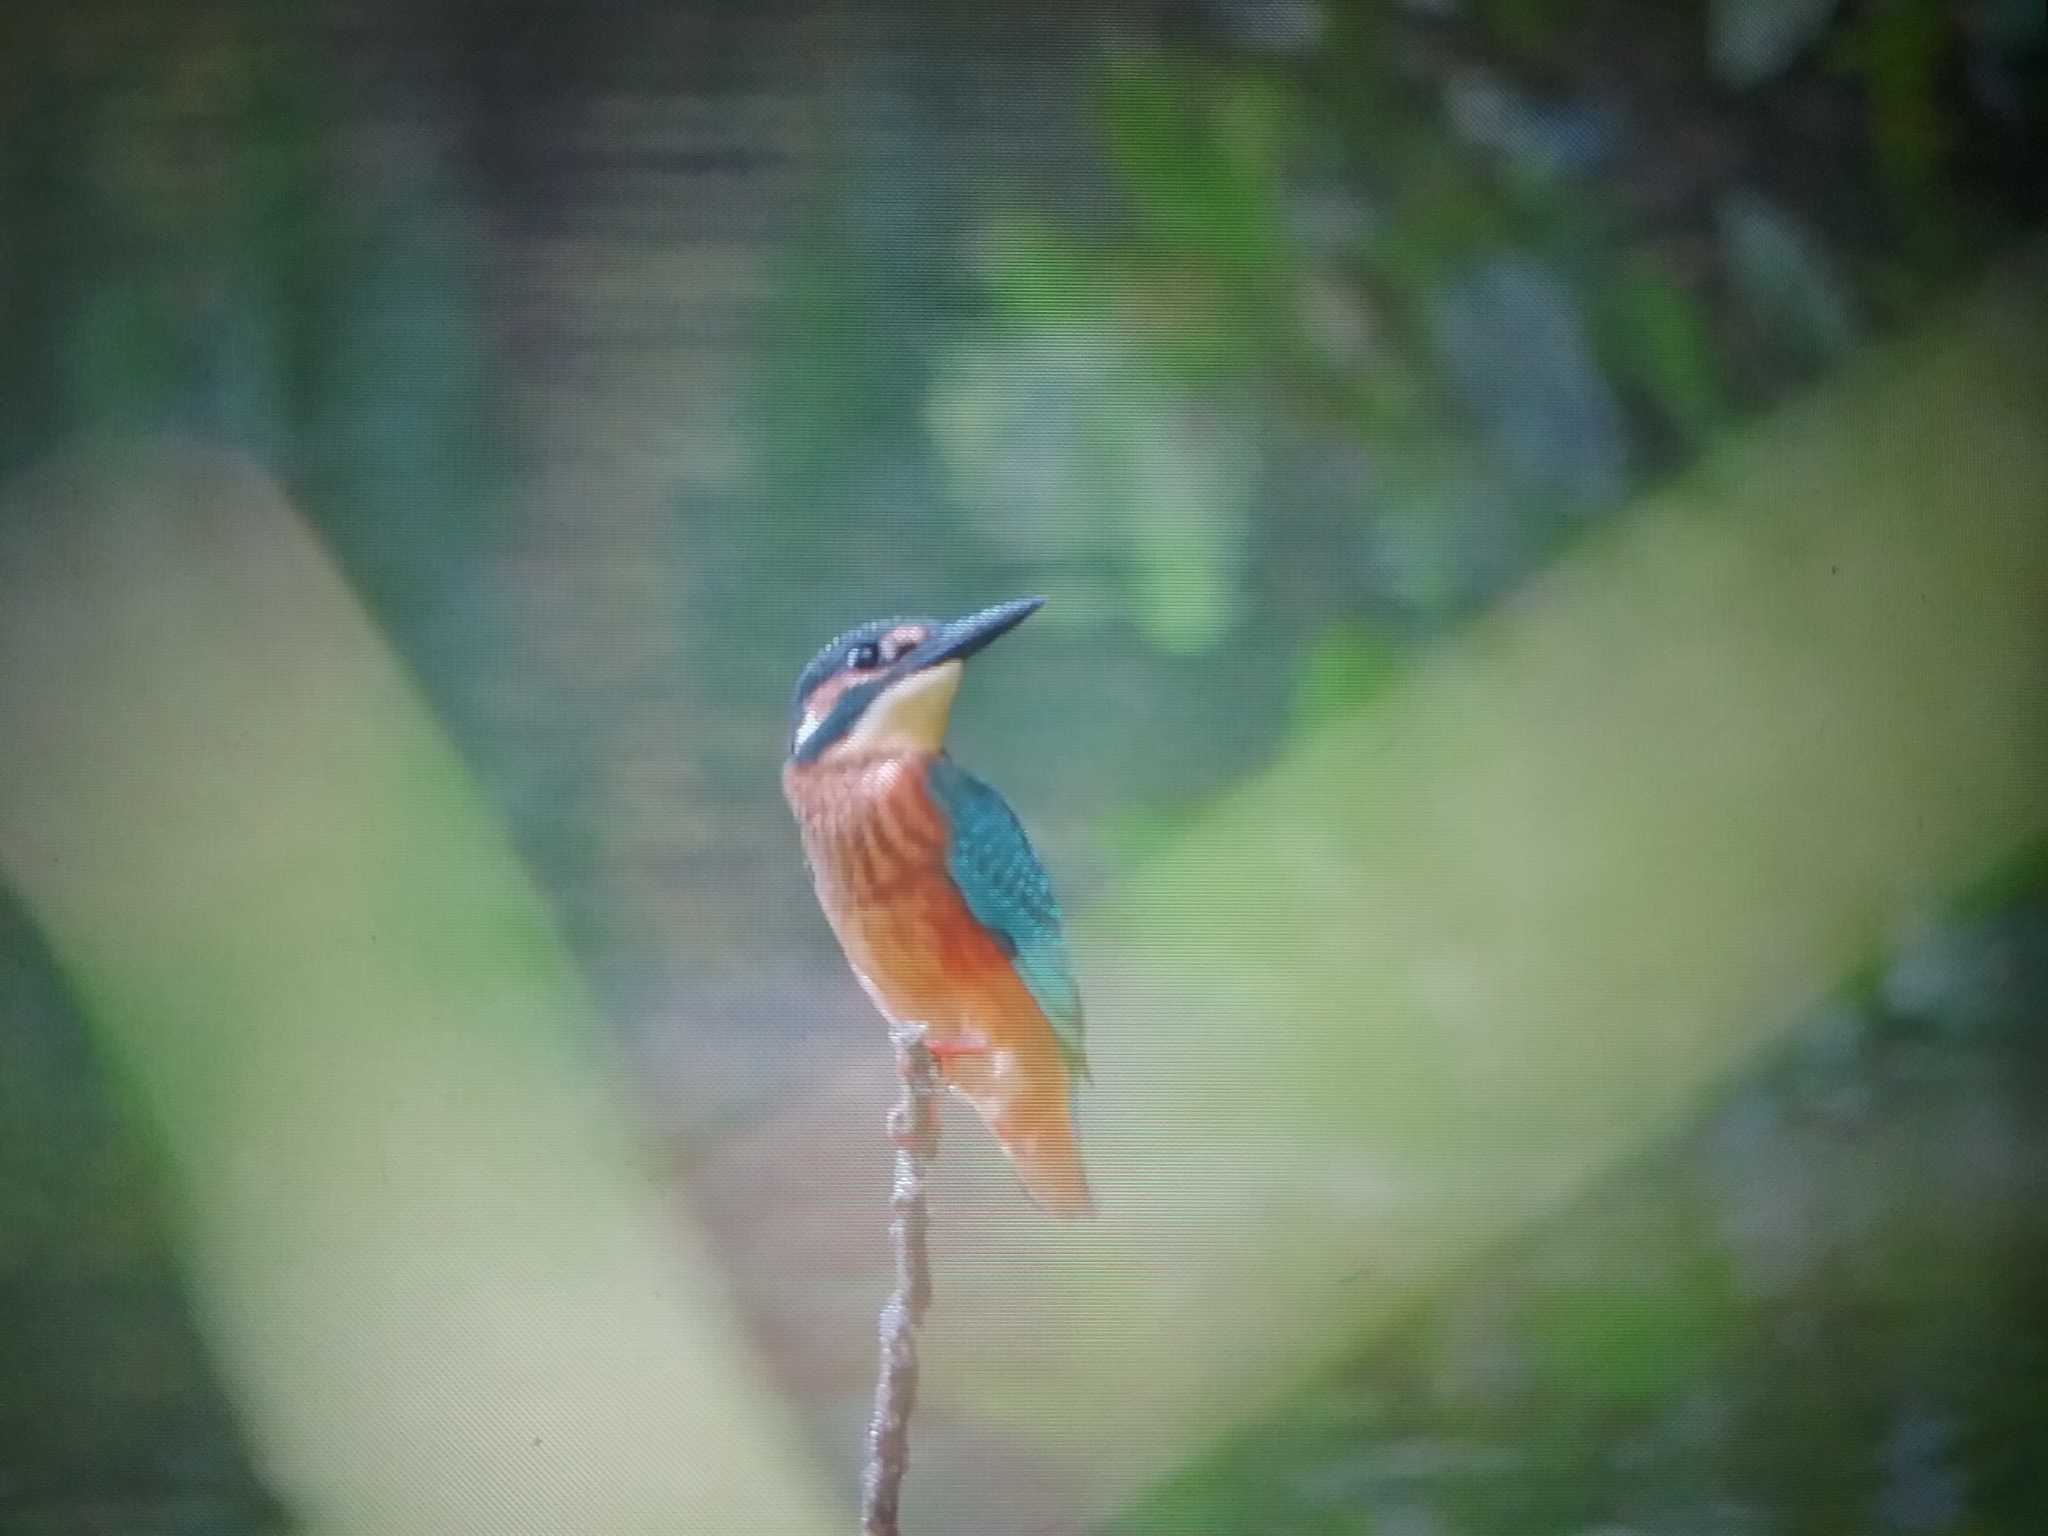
(914, 1130)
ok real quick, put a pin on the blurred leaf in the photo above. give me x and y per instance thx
(1535, 142)
(1785, 277)
(1901, 50)
(1446, 209)
(1036, 274)
(1077, 450)
(1538, 32)
(1602, 1341)
(1197, 149)
(1186, 323)
(1654, 334)
(1190, 479)
(1750, 41)
(1514, 347)
(1451, 528)
(1343, 670)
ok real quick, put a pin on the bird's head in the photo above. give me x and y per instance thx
(888, 685)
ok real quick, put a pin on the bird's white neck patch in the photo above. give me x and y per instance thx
(909, 716)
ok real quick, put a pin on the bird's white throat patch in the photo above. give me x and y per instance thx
(807, 726)
(908, 716)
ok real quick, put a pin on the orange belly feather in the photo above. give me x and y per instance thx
(877, 847)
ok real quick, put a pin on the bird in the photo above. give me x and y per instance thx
(926, 877)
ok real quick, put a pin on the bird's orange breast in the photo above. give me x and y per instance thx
(876, 841)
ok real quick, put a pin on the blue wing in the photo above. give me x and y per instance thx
(1007, 890)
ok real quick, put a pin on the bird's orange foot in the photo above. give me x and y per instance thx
(968, 1042)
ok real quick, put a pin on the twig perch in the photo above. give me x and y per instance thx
(914, 1130)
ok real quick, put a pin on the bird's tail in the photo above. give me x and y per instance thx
(1032, 1117)
(1050, 1168)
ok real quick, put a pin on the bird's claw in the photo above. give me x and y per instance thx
(964, 1042)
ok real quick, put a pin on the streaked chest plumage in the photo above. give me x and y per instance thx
(869, 825)
(876, 840)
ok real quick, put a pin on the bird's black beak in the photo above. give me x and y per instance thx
(961, 638)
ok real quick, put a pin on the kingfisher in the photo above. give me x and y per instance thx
(924, 872)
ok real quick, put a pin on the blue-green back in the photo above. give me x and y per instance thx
(1009, 893)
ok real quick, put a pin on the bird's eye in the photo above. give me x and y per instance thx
(864, 657)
